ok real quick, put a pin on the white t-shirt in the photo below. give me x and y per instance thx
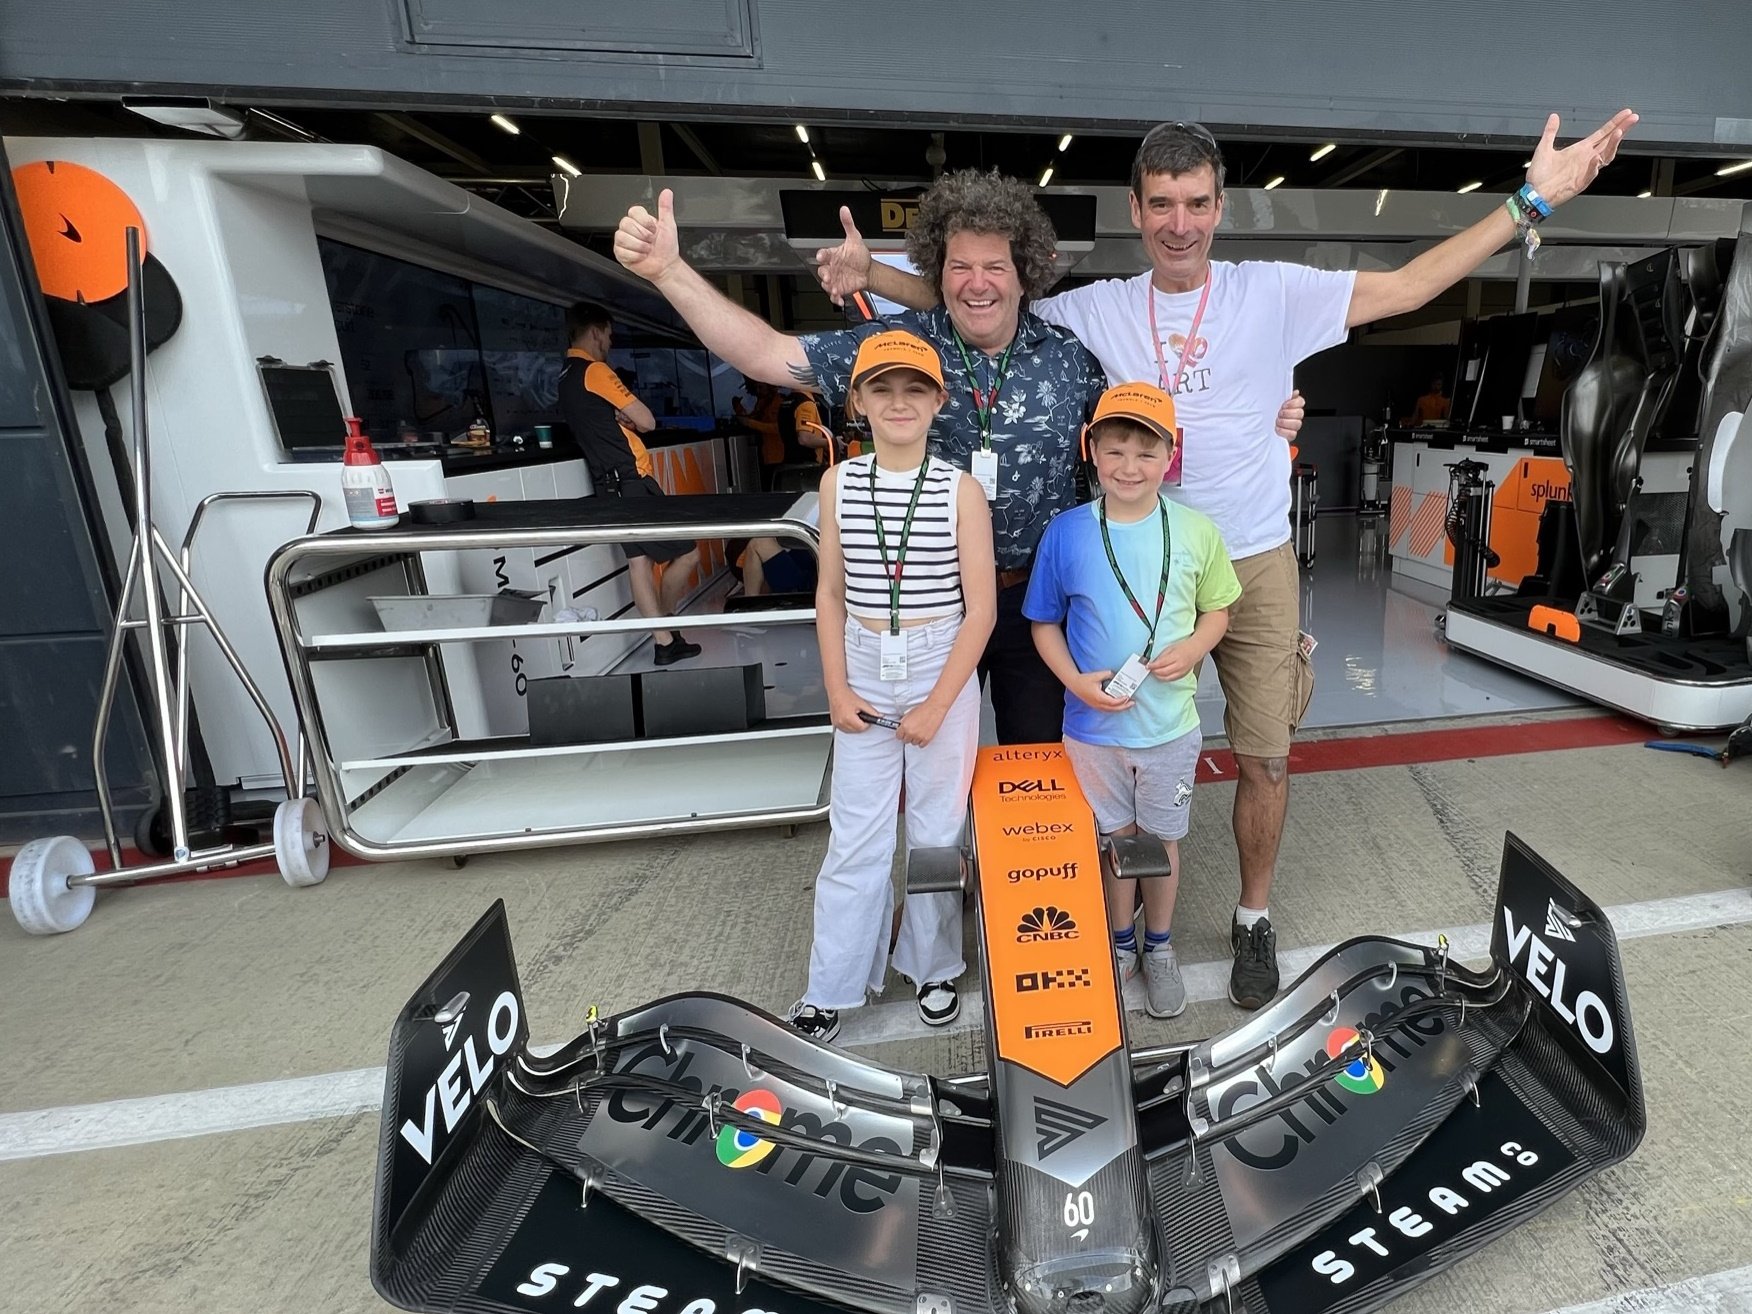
(1263, 317)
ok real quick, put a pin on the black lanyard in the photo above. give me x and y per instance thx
(984, 405)
(893, 576)
(1118, 574)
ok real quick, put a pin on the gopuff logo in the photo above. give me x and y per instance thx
(1048, 923)
(1065, 871)
(1058, 1125)
(448, 1095)
(1588, 1015)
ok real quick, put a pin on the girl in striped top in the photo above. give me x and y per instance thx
(906, 601)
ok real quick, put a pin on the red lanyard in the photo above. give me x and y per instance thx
(1191, 336)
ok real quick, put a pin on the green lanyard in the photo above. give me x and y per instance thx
(905, 533)
(984, 404)
(1118, 574)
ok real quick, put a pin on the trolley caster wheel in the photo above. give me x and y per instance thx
(787, 832)
(301, 843)
(42, 900)
(152, 832)
(458, 861)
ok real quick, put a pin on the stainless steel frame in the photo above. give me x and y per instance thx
(297, 646)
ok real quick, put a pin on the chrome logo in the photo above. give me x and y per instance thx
(1360, 1078)
(740, 1149)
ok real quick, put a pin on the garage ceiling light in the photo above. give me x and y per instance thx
(1275, 182)
(570, 168)
(1045, 176)
(1643, 196)
(820, 173)
(1065, 142)
(1323, 152)
(1470, 187)
(1726, 169)
(506, 124)
(802, 134)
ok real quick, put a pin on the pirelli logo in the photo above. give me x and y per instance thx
(1047, 1030)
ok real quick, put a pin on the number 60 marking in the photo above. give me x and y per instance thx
(1079, 1209)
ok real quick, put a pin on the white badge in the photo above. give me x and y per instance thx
(893, 660)
(1124, 683)
(985, 470)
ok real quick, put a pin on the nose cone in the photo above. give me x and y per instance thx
(1096, 1282)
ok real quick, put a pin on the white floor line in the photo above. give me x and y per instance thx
(69, 1128)
(1727, 1292)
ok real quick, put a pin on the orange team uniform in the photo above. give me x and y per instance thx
(593, 430)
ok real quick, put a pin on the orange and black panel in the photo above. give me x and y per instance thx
(1555, 622)
(76, 221)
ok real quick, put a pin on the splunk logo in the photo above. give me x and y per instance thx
(1048, 923)
(1545, 970)
(1363, 1076)
(1276, 1142)
(743, 1149)
(451, 1095)
(1065, 871)
(1541, 491)
(859, 1189)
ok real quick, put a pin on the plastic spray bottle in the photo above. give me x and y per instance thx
(365, 483)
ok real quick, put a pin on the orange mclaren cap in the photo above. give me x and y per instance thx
(1143, 403)
(896, 349)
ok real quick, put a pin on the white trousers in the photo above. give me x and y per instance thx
(854, 894)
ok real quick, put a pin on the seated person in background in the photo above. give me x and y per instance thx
(1431, 407)
(762, 420)
(1133, 745)
(603, 415)
(770, 566)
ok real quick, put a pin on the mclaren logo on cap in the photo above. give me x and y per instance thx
(1057, 1125)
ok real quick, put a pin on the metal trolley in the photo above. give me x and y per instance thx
(393, 771)
(54, 881)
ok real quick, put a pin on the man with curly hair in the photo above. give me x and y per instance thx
(1020, 389)
(1223, 339)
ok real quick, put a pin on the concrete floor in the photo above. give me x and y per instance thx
(175, 990)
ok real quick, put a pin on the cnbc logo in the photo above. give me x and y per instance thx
(1048, 923)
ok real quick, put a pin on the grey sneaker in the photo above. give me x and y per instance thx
(1127, 962)
(1162, 983)
(820, 1024)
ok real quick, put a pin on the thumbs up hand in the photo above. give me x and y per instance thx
(646, 243)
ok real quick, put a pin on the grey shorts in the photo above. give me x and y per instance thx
(1151, 787)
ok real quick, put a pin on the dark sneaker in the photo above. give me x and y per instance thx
(1163, 987)
(677, 649)
(816, 1023)
(1253, 981)
(939, 1003)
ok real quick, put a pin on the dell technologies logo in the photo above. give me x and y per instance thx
(1048, 923)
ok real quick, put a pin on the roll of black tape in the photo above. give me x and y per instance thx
(442, 510)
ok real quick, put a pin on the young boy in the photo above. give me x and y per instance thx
(1128, 595)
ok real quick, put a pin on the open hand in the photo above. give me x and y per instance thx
(646, 243)
(844, 269)
(1558, 175)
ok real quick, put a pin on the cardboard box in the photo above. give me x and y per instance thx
(586, 709)
(701, 700)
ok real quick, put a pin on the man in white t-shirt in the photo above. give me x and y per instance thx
(1224, 339)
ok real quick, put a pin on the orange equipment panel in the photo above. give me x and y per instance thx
(1558, 624)
(1049, 965)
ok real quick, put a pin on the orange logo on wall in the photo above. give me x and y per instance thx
(76, 223)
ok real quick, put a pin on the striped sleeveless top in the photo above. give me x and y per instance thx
(930, 586)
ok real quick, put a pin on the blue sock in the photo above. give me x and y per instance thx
(1154, 940)
(1126, 941)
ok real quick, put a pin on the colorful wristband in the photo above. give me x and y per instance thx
(1533, 205)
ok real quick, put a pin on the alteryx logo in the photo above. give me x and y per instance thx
(743, 1149)
(1363, 1076)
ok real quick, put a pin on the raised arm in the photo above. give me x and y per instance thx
(848, 268)
(646, 243)
(1557, 175)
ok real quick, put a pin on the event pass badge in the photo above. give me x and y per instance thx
(892, 655)
(985, 470)
(1123, 683)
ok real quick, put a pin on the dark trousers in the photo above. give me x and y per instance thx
(1027, 698)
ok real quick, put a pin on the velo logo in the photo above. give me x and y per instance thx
(743, 1149)
(1361, 1077)
(1042, 924)
(1058, 1125)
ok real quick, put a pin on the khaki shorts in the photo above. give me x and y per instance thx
(1266, 680)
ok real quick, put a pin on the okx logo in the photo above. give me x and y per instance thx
(1048, 923)
(1361, 1077)
(1057, 1125)
(743, 1149)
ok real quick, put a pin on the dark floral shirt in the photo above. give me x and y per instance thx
(1050, 389)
